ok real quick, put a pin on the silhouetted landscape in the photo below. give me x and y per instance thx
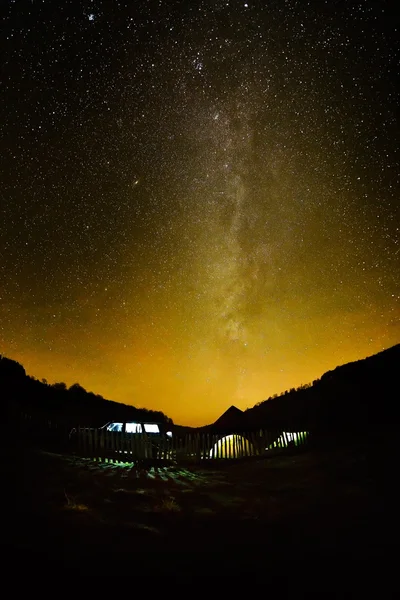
(350, 397)
(73, 405)
(328, 502)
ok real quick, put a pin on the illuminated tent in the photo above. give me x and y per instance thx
(232, 446)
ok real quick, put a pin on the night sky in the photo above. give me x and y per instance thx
(199, 200)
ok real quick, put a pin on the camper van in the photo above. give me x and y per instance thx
(151, 437)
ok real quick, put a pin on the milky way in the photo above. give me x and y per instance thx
(200, 200)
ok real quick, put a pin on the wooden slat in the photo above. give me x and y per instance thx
(120, 444)
(101, 445)
(180, 447)
(141, 446)
(194, 447)
(250, 444)
(185, 448)
(176, 449)
(113, 444)
(83, 436)
(107, 445)
(263, 441)
(83, 440)
(124, 446)
(76, 442)
(128, 443)
(253, 444)
(160, 449)
(134, 445)
(121, 439)
(90, 439)
(110, 444)
(131, 447)
(96, 454)
(190, 448)
(197, 444)
(97, 440)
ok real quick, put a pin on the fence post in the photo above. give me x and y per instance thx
(102, 451)
(197, 446)
(96, 445)
(190, 447)
(110, 445)
(202, 445)
(82, 435)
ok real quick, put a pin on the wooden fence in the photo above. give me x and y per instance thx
(101, 444)
(106, 445)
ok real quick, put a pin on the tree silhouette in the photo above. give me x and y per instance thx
(60, 386)
(11, 368)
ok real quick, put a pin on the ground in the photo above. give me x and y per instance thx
(250, 517)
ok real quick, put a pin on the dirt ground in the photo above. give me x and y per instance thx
(253, 517)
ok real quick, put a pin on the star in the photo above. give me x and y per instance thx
(186, 187)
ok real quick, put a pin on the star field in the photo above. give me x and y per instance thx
(200, 200)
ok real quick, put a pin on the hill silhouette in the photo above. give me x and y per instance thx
(353, 396)
(359, 394)
(73, 405)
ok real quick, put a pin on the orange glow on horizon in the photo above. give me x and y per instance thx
(196, 215)
(196, 392)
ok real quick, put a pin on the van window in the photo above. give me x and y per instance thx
(151, 428)
(133, 428)
(114, 427)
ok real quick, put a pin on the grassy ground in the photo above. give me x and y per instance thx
(250, 517)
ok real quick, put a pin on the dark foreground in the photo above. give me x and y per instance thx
(329, 510)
